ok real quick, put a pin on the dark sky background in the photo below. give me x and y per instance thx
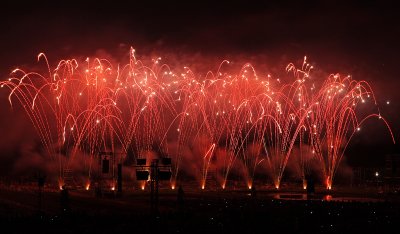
(360, 38)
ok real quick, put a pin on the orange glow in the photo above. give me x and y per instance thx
(304, 184)
(143, 187)
(277, 183)
(249, 185)
(328, 183)
(60, 183)
(328, 198)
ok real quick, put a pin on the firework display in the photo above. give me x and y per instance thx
(225, 119)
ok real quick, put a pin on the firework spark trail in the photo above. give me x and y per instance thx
(97, 106)
(334, 119)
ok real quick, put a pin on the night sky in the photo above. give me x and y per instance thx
(360, 38)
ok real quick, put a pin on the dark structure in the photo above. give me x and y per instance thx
(64, 199)
(310, 184)
(180, 196)
(119, 179)
(155, 172)
(392, 172)
(109, 176)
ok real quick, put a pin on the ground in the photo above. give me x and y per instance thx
(341, 210)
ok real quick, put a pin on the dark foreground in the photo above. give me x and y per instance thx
(200, 212)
